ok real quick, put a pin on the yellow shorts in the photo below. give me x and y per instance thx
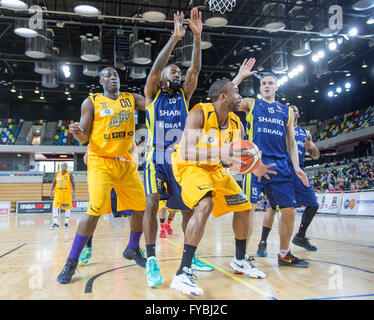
(161, 204)
(62, 200)
(196, 181)
(104, 174)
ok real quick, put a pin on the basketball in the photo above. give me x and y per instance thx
(251, 160)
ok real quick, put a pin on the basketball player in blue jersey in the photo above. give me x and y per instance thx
(304, 196)
(167, 102)
(270, 125)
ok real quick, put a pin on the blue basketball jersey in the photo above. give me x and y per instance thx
(165, 120)
(267, 128)
(300, 136)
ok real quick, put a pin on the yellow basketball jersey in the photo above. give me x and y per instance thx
(63, 182)
(212, 136)
(113, 127)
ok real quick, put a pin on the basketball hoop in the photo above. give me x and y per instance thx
(221, 5)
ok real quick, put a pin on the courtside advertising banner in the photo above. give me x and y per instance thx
(329, 202)
(366, 204)
(79, 206)
(26, 207)
(4, 207)
(350, 203)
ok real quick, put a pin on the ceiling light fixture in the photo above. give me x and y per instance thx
(86, 10)
(14, 4)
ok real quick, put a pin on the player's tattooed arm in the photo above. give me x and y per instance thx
(293, 151)
(153, 79)
(193, 71)
(311, 147)
(81, 130)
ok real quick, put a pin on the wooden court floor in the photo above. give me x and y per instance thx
(31, 257)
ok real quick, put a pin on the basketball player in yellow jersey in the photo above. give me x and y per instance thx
(62, 184)
(107, 123)
(211, 129)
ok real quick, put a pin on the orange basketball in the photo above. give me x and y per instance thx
(252, 160)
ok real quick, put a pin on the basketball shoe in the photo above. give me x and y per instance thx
(163, 231)
(54, 226)
(135, 254)
(198, 265)
(303, 242)
(261, 251)
(290, 260)
(247, 267)
(85, 255)
(185, 283)
(168, 228)
(154, 277)
(68, 271)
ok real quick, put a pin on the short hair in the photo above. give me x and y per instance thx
(168, 66)
(268, 74)
(102, 71)
(218, 87)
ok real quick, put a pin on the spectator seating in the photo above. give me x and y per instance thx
(348, 122)
(63, 137)
(9, 130)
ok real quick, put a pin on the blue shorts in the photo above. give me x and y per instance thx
(304, 196)
(155, 178)
(117, 214)
(282, 191)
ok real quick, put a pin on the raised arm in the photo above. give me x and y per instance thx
(293, 151)
(245, 71)
(81, 130)
(153, 79)
(193, 71)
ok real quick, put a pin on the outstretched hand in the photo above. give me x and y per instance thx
(245, 70)
(179, 29)
(262, 170)
(195, 21)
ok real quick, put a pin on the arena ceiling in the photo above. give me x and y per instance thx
(243, 36)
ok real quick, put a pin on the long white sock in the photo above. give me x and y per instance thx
(67, 216)
(55, 215)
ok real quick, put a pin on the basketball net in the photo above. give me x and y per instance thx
(221, 5)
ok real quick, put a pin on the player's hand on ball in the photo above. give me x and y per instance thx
(232, 156)
(303, 177)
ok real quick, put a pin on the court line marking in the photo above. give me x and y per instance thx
(348, 243)
(342, 265)
(345, 297)
(232, 276)
(89, 283)
(6, 253)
